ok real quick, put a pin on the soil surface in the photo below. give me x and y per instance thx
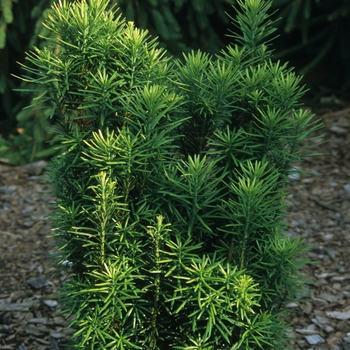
(319, 212)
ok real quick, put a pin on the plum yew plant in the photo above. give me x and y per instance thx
(170, 182)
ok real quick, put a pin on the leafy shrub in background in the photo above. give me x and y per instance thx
(19, 30)
(170, 183)
(181, 25)
(22, 133)
(312, 38)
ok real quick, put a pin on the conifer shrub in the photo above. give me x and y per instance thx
(170, 183)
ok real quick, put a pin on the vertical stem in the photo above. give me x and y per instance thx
(156, 235)
(246, 233)
(103, 214)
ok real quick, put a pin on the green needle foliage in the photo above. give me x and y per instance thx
(170, 183)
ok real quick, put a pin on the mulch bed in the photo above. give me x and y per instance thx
(28, 302)
(319, 212)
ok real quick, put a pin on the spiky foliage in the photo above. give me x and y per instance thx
(170, 184)
(26, 135)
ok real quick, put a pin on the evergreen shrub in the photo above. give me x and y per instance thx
(24, 133)
(170, 183)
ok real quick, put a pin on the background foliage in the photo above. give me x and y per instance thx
(311, 38)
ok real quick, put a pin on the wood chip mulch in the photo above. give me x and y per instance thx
(319, 212)
(28, 302)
